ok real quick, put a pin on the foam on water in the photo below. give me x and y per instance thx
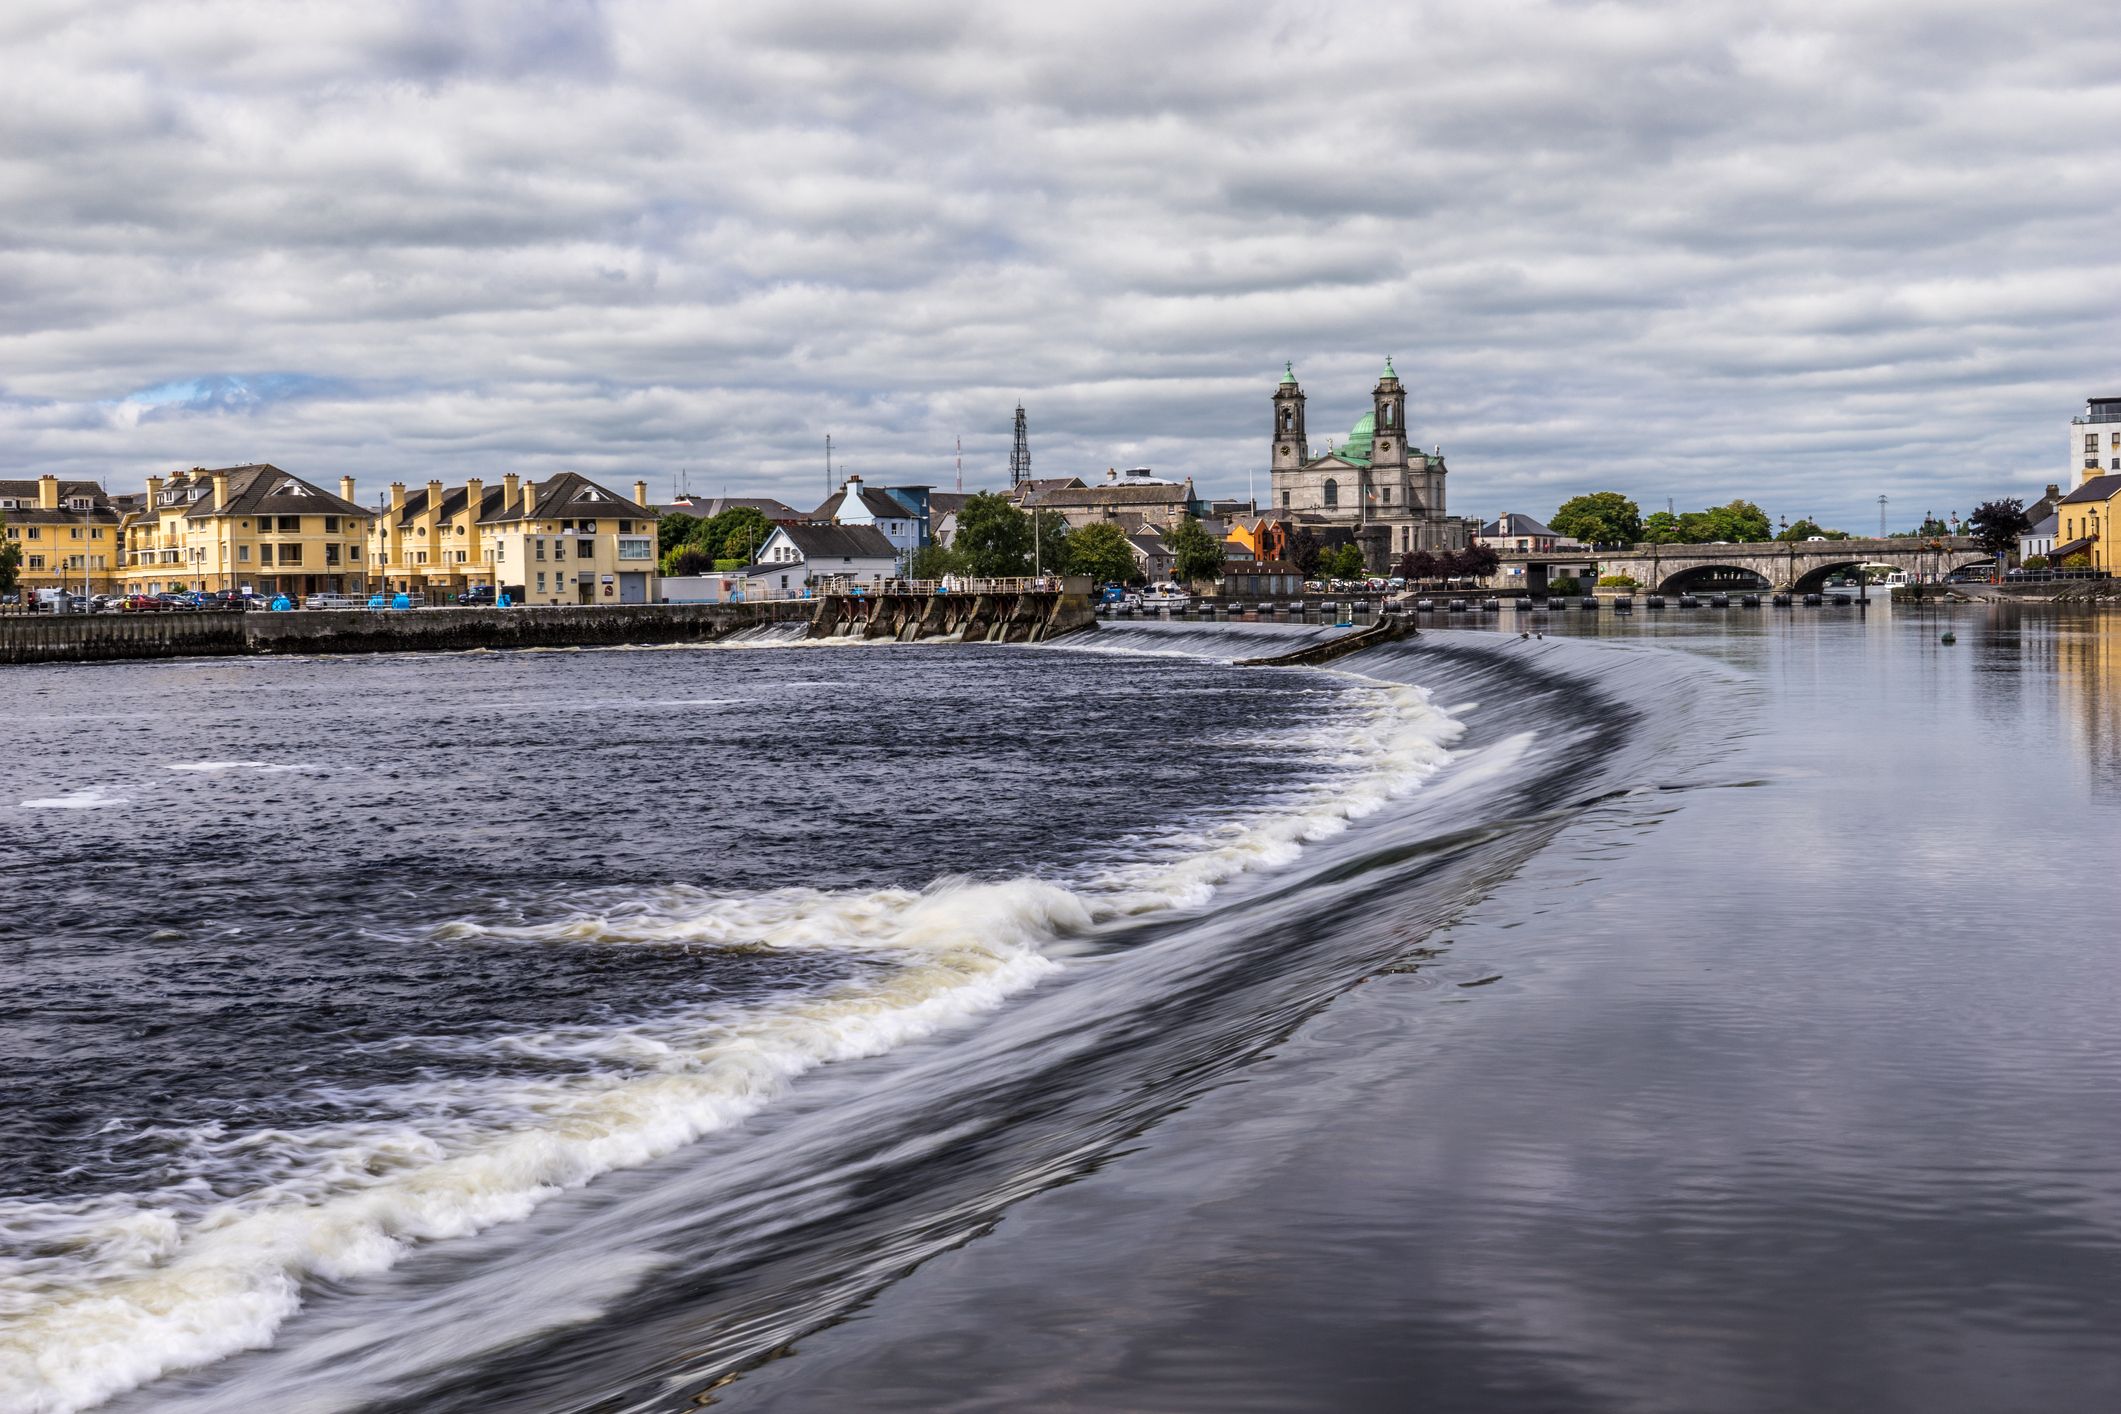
(86, 798)
(111, 1292)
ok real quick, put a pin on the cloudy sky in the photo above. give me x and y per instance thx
(1807, 253)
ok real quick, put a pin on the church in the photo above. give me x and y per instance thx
(1374, 488)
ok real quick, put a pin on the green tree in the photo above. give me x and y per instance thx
(1740, 522)
(1661, 528)
(1049, 545)
(1996, 525)
(993, 537)
(674, 530)
(1600, 518)
(1344, 562)
(2037, 562)
(2078, 561)
(1101, 552)
(10, 562)
(1195, 554)
(688, 560)
(933, 561)
(732, 534)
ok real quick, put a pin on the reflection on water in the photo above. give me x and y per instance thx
(2085, 651)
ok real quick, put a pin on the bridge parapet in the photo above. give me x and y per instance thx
(1780, 564)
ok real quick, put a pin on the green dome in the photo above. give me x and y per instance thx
(1288, 375)
(1357, 447)
(1388, 373)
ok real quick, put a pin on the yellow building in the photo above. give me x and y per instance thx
(67, 532)
(563, 540)
(431, 541)
(253, 528)
(2084, 523)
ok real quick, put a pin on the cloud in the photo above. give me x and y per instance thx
(1805, 253)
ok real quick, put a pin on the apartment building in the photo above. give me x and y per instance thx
(567, 540)
(248, 528)
(67, 532)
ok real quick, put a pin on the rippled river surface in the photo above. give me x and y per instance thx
(1714, 1011)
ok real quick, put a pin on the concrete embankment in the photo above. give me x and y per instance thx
(1393, 628)
(74, 638)
(1026, 616)
(2058, 591)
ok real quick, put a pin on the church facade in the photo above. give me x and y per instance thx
(1385, 494)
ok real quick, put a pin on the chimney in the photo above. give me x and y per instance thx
(508, 490)
(220, 490)
(640, 493)
(154, 492)
(434, 498)
(2054, 492)
(474, 498)
(346, 489)
(47, 493)
(530, 498)
(397, 500)
(1111, 473)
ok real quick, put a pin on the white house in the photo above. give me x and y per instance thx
(796, 558)
(2040, 540)
(899, 512)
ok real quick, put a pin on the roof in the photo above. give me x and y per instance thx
(942, 503)
(564, 495)
(1288, 375)
(2045, 526)
(452, 503)
(2099, 488)
(2063, 552)
(258, 489)
(877, 503)
(703, 507)
(838, 542)
(27, 512)
(1510, 523)
(1117, 494)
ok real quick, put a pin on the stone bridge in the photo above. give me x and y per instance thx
(1797, 566)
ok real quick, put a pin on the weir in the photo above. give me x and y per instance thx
(1014, 616)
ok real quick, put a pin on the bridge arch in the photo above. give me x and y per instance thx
(1713, 578)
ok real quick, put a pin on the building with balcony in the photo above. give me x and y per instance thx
(67, 532)
(568, 540)
(2095, 440)
(247, 528)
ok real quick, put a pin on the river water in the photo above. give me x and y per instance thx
(1710, 1011)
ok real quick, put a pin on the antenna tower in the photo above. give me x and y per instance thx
(828, 465)
(1020, 454)
(1881, 517)
(960, 463)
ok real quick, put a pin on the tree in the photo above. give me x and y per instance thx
(1305, 552)
(736, 532)
(2037, 562)
(689, 560)
(1195, 554)
(1661, 528)
(10, 563)
(1566, 584)
(1345, 562)
(1740, 522)
(1802, 530)
(674, 530)
(1996, 525)
(2078, 561)
(1049, 547)
(1101, 552)
(1417, 565)
(1478, 561)
(933, 561)
(993, 537)
(1600, 518)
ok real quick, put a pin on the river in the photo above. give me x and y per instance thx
(1708, 1011)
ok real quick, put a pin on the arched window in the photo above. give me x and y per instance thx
(1388, 414)
(1332, 493)
(1288, 419)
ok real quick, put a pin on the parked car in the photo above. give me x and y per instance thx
(478, 597)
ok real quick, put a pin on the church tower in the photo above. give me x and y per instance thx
(1291, 451)
(1388, 413)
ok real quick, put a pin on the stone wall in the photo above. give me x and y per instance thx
(73, 638)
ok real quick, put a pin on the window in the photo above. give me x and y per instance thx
(291, 525)
(541, 581)
(1285, 500)
(541, 551)
(331, 553)
(331, 525)
(34, 533)
(1288, 419)
(2091, 441)
(636, 547)
(353, 552)
(420, 558)
(243, 554)
(264, 555)
(1387, 494)
(1388, 414)
(290, 554)
(500, 549)
(1332, 493)
(36, 562)
(73, 532)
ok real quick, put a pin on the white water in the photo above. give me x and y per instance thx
(112, 1292)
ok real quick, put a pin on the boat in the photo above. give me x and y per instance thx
(1166, 596)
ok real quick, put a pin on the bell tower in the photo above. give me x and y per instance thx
(1388, 412)
(1290, 448)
